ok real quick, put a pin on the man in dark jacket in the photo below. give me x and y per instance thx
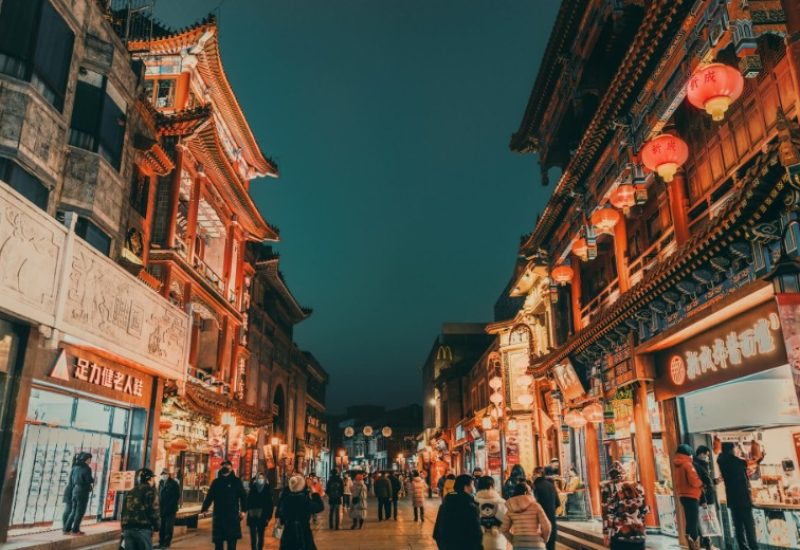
(702, 465)
(228, 496)
(737, 491)
(458, 525)
(169, 494)
(544, 491)
(335, 490)
(396, 488)
(383, 492)
(140, 516)
(81, 481)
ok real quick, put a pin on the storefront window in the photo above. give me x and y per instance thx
(120, 423)
(50, 408)
(92, 416)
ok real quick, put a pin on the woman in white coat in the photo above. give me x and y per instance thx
(493, 509)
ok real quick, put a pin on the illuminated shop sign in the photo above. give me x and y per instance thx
(69, 367)
(750, 342)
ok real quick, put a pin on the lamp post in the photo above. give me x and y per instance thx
(227, 419)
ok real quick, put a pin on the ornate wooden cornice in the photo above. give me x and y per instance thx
(758, 191)
(212, 404)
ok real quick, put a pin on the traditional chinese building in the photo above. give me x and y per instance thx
(88, 345)
(669, 244)
(203, 219)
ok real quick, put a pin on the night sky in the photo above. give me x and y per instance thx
(399, 203)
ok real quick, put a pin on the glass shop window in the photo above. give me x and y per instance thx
(36, 45)
(98, 117)
(92, 416)
(24, 183)
(53, 409)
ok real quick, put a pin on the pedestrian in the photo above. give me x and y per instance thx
(477, 473)
(737, 491)
(689, 488)
(525, 524)
(297, 506)
(623, 510)
(458, 525)
(545, 493)
(358, 503)
(440, 483)
(81, 481)
(66, 499)
(140, 515)
(448, 486)
(517, 475)
(335, 492)
(315, 486)
(259, 510)
(702, 465)
(383, 492)
(417, 492)
(348, 491)
(169, 495)
(492, 509)
(229, 498)
(397, 488)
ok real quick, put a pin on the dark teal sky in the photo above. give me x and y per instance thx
(399, 203)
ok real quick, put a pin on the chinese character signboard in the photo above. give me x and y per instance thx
(121, 481)
(568, 381)
(73, 365)
(750, 342)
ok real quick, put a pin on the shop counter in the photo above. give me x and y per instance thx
(777, 525)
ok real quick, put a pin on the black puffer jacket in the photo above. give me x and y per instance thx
(703, 469)
(458, 525)
(228, 496)
(295, 516)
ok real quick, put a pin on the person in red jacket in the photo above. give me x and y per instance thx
(689, 488)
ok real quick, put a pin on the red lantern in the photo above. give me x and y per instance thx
(605, 219)
(713, 88)
(164, 424)
(664, 154)
(581, 249)
(562, 275)
(593, 413)
(623, 197)
(178, 445)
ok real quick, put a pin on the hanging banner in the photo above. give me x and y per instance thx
(568, 381)
(789, 311)
(512, 446)
(527, 453)
(493, 455)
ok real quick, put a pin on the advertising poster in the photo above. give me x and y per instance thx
(512, 446)
(568, 381)
(493, 455)
(789, 311)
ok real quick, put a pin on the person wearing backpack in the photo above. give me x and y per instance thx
(335, 491)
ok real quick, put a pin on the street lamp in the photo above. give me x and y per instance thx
(227, 419)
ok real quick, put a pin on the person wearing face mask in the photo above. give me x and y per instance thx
(259, 510)
(229, 498)
(169, 493)
(702, 464)
(458, 525)
(140, 516)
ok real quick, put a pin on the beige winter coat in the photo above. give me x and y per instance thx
(525, 524)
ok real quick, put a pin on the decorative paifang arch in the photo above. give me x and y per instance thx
(279, 410)
(520, 334)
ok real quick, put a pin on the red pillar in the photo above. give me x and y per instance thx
(679, 207)
(575, 293)
(621, 253)
(593, 474)
(645, 455)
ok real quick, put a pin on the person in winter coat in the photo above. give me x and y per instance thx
(544, 490)
(492, 509)
(458, 525)
(737, 491)
(448, 486)
(358, 502)
(169, 495)
(417, 492)
(525, 525)
(140, 515)
(383, 492)
(67, 498)
(81, 481)
(623, 510)
(397, 488)
(517, 475)
(228, 496)
(702, 465)
(335, 491)
(259, 510)
(297, 506)
(689, 488)
(348, 491)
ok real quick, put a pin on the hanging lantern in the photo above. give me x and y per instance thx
(496, 398)
(605, 219)
(581, 249)
(714, 87)
(164, 424)
(368, 431)
(178, 445)
(495, 382)
(593, 413)
(526, 400)
(386, 432)
(574, 420)
(486, 422)
(664, 154)
(349, 431)
(623, 197)
(512, 424)
(562, 275)
(524, 380)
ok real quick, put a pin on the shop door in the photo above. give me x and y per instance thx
(59, 426)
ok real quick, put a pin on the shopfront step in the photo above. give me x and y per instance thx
(578, 542)
(106, 539)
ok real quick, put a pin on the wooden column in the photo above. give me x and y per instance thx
(175, 197)
(191, 223)
(575, 293)
(593, 472)
(621, 253)
(679, 207)
(645, 455)
(671, 435)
